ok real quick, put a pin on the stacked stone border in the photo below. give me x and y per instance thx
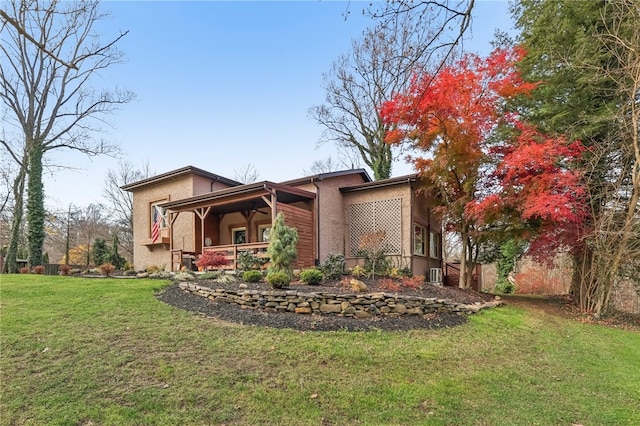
(355, 305)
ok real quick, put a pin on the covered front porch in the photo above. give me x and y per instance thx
(238, 220)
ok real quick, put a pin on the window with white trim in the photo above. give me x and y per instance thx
(264, 233)
(157, 214)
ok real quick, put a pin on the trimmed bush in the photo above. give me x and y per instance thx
(333, 266)
(252, 276)
(311, 276)
(278, 279)
(39, 269)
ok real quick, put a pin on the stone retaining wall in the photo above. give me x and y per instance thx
(348, 305)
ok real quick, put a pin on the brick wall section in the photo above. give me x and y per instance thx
(354, 305)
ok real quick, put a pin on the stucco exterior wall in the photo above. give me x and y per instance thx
(203, 185)
(146, 254)
(402, 192)
(330, 218)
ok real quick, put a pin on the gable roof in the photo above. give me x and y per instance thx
(184, 171)
(381, 183)
(322, 176)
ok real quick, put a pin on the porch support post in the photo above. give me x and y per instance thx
(202, 214)
(172, 218)
(272, 202)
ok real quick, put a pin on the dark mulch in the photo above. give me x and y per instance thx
(172, 295)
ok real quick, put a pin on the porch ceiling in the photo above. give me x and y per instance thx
(240, 198)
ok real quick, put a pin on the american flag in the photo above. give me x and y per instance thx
(155, 228)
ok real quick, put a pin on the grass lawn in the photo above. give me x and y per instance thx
(106, 352)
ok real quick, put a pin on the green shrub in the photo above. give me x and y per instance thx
(161, 275)
(209, 275)
(333, 266)
(503, 286)
(282, 248)
(226, 279)
(376, 263)
(184, 276)
(248, 261)
(358, 272)
(278, 279)
(252, 276)
(311, 276)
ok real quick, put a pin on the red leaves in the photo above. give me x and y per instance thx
(520, 176)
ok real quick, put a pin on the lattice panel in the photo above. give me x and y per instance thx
(374, 216)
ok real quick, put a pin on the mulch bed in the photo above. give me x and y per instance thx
(174, 296)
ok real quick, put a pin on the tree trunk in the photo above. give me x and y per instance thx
(35, 205)
(11, 265)
(463, 279)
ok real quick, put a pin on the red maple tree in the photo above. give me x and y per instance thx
(535, 185)
(483, 163)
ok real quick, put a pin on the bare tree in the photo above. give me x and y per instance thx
(615, 239)
(409, 36)
(120, 203)
(51, 104)
(247, 174)
(324, 165)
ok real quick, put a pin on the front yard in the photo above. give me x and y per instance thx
(106, 351)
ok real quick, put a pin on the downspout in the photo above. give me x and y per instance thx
(317, 203)
(411, 236)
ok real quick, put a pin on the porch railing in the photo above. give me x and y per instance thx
(232, 252)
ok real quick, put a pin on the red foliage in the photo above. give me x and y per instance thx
(107, 269)
(535, 183)
(413, 282)
(450, 116)
(537, 283)
(38, 269)
(526, 177)
(389, 284)
(25, 270)
(64, 270)
(211, 259)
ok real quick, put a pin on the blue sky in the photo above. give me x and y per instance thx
(221, 85)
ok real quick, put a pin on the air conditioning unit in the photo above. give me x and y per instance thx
(435, 275)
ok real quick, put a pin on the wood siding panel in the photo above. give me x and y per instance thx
(302, 220)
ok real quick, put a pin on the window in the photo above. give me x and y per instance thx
(419, 239)
(157, 214)
(264, 233)
(238, 235)
(434, 245)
